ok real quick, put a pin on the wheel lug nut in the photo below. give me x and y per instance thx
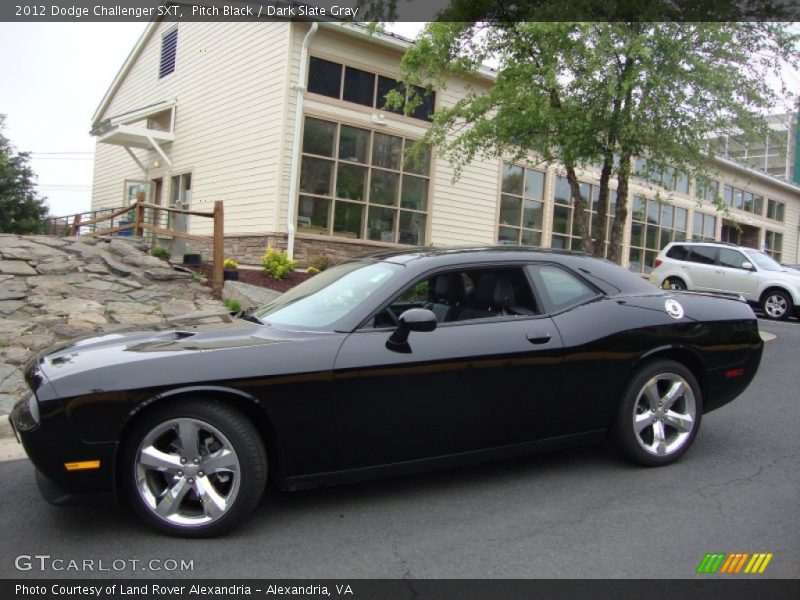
(183, 461)
(200, 474)
(191, 481)
(196, 460)
(180, 473)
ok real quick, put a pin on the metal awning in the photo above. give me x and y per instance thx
(129, 130)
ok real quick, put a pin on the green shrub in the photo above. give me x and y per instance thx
(320, 262)
(160, 252)
(232, 305)
(277, 264)
(312, 270)
(230, 263)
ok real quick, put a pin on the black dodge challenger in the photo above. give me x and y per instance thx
(389, 364)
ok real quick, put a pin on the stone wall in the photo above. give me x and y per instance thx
(249, 249)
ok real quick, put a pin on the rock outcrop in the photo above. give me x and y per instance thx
(53, 289)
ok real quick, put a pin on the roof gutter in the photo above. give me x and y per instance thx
(300, 88)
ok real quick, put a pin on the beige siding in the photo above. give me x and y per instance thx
(229, 84)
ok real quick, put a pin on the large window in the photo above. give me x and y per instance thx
(566, 232)
(707, 190)
(521, 206)
(743, 200)
(773, 244)
(654, 225)
(704, 227)
(665, 176)
(169, 50)
(775, 210)
(355, 184)
(342, 82)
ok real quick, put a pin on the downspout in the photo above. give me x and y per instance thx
(300, 88)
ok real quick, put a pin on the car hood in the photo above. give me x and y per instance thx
(199, 348)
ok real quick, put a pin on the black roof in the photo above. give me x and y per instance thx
(608, 276)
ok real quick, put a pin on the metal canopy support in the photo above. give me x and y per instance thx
(136, 160)
(159, 150)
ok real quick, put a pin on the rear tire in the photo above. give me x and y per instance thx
(777, 305)
(659, 414)
(194, 468)
(673, 283)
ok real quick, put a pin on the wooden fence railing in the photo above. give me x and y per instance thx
(139, 225)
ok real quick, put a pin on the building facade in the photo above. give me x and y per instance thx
(284, 123)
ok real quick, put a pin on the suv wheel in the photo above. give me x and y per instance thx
(776, 304)
(673, 283)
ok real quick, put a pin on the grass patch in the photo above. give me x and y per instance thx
(232, 305)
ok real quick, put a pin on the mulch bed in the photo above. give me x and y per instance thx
(258, 278)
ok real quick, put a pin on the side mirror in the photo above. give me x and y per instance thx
(414, 319)
(748, 266)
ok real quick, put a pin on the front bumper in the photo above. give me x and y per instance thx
(52, 445)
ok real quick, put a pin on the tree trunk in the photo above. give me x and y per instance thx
(621, 213)
(601, 232)
(579, 211)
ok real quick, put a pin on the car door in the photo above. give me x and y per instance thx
(733, 278)
(702, 268)
(472, 383)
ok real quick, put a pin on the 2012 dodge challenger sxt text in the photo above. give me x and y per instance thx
(388, 364)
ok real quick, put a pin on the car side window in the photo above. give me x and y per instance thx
(678, 252)
(704, 255)
(731, 258)
(559, 288)
(465, 295)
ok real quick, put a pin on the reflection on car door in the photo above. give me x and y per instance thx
(703, 269)
(467, 385)
(734, 279)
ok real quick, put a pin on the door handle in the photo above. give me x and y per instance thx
(538, 337)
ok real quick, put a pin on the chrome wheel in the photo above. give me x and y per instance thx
(187, 472)
(775, 306)
(664, 414)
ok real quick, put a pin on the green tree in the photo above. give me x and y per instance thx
(21, 208)
(596, 92)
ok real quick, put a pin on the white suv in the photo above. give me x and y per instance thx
(728, 269)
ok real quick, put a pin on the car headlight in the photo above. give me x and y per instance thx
(26, 414)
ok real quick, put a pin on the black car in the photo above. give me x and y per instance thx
(389, 364)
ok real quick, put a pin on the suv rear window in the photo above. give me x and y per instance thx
(678, 252)
(705, 255)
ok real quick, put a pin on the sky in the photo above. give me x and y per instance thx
(53, 76)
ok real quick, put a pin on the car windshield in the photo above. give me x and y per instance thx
(763, 261)
(327, 297)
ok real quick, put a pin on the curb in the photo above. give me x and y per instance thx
(5, 428)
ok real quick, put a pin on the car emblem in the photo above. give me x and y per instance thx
(674, 308)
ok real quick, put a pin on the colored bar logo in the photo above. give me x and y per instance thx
(737, 562)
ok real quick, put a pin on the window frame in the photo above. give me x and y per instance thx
(366, 203)
(521, 228)
(436, 271)
(642, 248)
(549, 312)
(377, 74)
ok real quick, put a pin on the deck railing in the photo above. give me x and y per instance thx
(142, 217)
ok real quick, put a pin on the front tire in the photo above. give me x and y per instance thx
(194, 468)
(777, 305)
(659, 415)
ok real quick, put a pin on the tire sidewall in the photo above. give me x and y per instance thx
(622, 432)
(242, 436)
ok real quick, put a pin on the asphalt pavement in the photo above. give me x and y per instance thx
(575, 514)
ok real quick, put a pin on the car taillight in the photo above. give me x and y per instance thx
(658, 262)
